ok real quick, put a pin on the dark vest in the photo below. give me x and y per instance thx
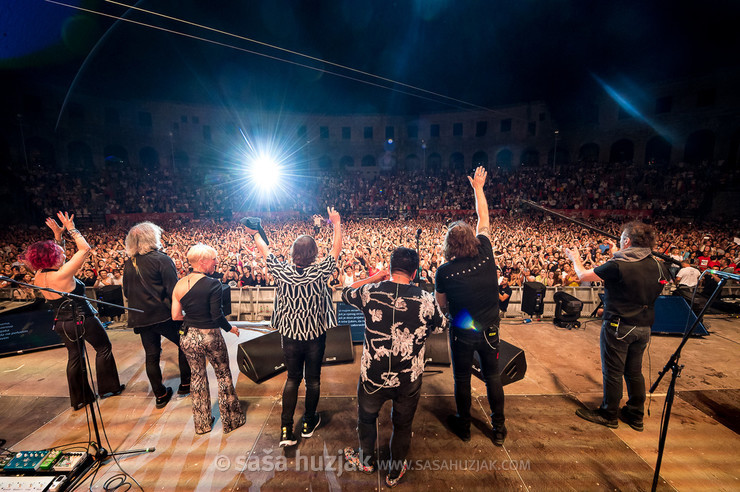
(633, 296)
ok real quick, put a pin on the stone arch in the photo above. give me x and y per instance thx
(346, 161)
(658, 151)
(622, 151)
(505, 159)
(530, 158)
(116, 156)
(480, 158)
(368, 161)
(457, 162)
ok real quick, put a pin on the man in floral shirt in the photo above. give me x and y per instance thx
(398, 318)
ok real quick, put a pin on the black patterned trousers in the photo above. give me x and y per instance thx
(201, 345)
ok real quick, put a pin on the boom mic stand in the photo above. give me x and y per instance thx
(100, 453)
(675, 369)
(529, 203)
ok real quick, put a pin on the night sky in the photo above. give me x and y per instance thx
(487, 53)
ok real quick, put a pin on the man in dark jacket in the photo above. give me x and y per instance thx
(148, 280)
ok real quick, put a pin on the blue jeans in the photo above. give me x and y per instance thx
(463, 347)
(405, 399)
(621, 356)
(302, 357)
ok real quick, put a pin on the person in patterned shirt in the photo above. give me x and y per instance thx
(302, 313)
(398, 318)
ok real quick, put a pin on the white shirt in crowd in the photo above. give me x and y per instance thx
(688, 276)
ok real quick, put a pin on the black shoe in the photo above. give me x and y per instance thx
(184, 389)
(163, 400)
(286, 437)
(629, 419)
(499, 434)
(459, 427)
(114, 393)
(310, 427)
(596, 417)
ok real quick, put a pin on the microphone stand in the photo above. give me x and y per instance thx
(675, 369)
(529, 203)
(100, 453)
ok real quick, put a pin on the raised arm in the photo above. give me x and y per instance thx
(481, 205)
(83, 249)
(583, 274)
(336, 221)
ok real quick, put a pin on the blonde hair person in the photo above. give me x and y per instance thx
(197, 301)
(149, 277)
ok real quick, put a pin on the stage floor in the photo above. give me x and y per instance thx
(548, 446)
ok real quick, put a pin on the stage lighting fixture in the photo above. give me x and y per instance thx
(567, 310)
(265, 172)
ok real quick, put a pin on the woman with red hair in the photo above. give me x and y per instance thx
(74, 318)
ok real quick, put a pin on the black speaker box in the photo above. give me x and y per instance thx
(438, 349)
(112, 294)
(512, 363)
(339, 347)
(261, 358)
(533, 298)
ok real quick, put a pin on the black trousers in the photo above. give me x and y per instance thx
(92, 332)
(463, 348)
(405, 400)
(302, 359)
(151, 340)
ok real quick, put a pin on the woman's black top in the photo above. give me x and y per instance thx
(202, 305)
(63, 308)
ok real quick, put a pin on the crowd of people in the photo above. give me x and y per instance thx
(526, 245)
(217, 193)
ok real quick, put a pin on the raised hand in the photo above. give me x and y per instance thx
(333, 215)
(67, 220)
(55, 228)
(479, 178)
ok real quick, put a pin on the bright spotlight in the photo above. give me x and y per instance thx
(265, 172)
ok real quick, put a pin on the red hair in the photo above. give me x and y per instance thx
(43, 254)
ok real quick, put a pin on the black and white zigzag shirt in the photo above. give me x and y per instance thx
(398, 320)
(303, 309)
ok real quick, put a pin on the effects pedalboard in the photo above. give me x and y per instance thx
(43, 471)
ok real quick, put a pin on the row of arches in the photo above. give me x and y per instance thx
(699, 147)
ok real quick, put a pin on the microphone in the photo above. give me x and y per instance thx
(732, 276)
(418, 232)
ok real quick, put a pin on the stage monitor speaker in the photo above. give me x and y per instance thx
(339, 348)
(437, 349)
(21, 331)
(533, 298)
(567, 310)
(112, 294)
(261, 358)
(673, 316)
(512, 363)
